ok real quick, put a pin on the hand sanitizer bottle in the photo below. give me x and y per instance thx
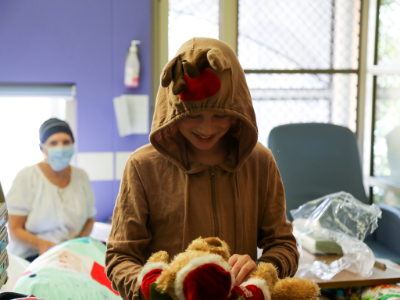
(132, 66)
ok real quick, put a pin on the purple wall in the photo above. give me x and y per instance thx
(83, 42)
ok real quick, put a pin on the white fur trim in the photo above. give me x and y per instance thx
(195, 263)
(150, 267)
(261, 284)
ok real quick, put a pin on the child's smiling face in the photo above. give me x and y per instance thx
(204, 129)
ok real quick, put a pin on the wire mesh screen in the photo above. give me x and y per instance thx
(188, 19)
(298, 34)
(301, 98)
(275, 36)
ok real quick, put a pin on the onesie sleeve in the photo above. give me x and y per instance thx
(19, 196)
(275, 235)
(129, 234)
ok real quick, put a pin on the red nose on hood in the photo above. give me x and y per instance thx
(205, 85)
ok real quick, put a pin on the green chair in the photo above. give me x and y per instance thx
(317, 159)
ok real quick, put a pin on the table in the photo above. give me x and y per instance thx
(348, 279)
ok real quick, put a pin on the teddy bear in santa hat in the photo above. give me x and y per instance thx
(202, 272)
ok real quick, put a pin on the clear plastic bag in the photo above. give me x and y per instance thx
(345, 220)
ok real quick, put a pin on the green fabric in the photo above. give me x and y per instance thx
(88, 247)
(155, 295)
(383, 297)
(66, 272)
(57, 284)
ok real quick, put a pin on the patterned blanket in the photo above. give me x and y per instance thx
(71, 270)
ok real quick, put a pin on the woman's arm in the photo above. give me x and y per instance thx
(87, 229)
(16, 225)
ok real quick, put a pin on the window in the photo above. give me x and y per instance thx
(300, 57)
(191, 18)
(301, 60)
(21, 115)
(335, 61)
(384, 73)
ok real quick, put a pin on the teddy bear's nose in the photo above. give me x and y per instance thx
(213, 242)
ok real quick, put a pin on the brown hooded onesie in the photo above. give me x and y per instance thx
(166, 199)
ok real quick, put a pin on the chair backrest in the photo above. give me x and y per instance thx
(316, 159)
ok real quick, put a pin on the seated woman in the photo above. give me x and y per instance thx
(49, 202)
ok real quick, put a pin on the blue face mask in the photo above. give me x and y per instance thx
(60, 157)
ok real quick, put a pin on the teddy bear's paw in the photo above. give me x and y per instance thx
(267, 272)
(295, 289)
(151, 271)
(205, 277)
(151, 268)
(154, 266)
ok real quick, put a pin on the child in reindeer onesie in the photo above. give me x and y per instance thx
(203, 174)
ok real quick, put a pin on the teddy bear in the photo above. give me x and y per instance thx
(203, 272)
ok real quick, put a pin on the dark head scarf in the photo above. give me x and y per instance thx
(52, 126)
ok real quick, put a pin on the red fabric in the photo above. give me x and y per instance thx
(250, 292)
(205, 85)
(98, 274)
(148, 279)
(26, 273)
(208, 281)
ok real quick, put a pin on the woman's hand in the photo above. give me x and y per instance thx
(242, 267)
(44, 246)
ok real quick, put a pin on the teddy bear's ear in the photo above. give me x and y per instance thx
(212, 241)
(218, 60)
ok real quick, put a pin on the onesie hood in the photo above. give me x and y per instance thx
(221, 88)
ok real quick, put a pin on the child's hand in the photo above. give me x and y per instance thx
(242, 267)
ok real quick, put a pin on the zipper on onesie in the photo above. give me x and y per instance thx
(214, 203)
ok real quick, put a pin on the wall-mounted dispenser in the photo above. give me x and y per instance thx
(132, 66)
